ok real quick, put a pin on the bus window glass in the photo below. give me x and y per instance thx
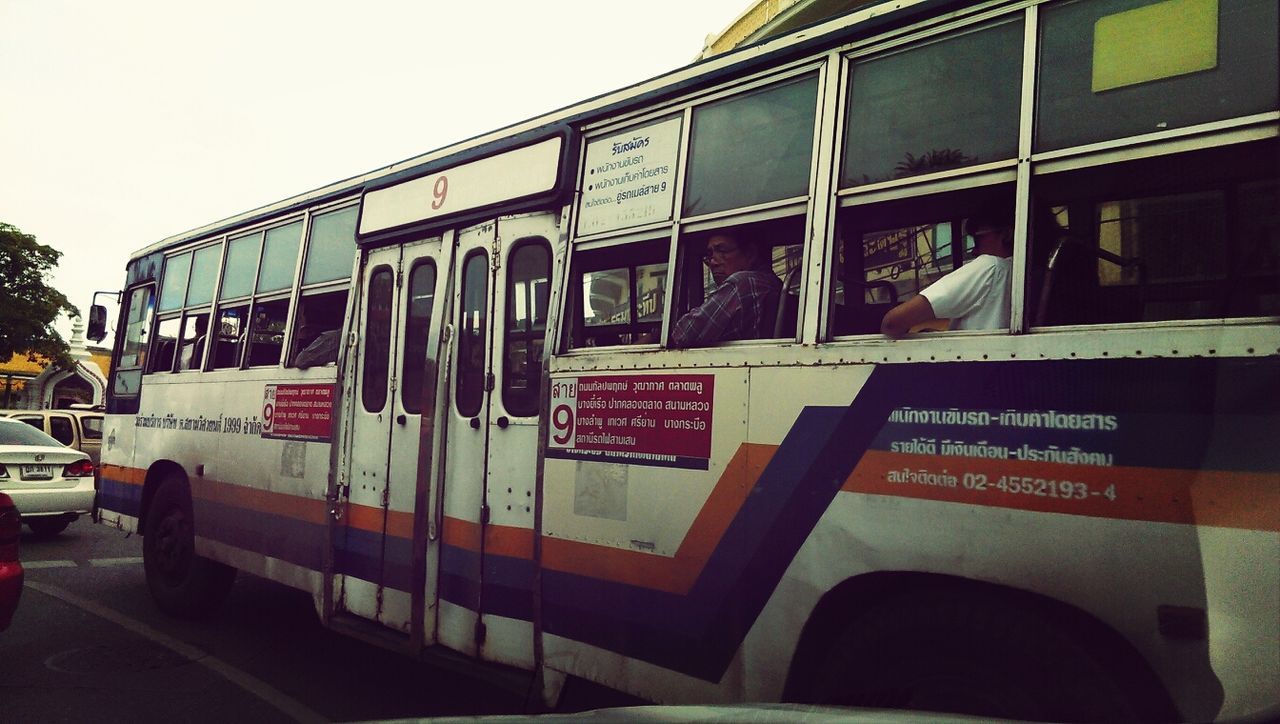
(1192, 236)
(174, 288)
(231, 336)
(138, 319)
(164, 345)
(608, 294)
(528, 288)
(332, 247)
(752, 148)
(471, 334)
(241, 266)
(1117, 68)
(377, 340)
(204, 272)
(422, 296)
(266, 334)
(771, 251)
(934, 107)
(279, 257)
(890, 252)
(317, 332)
(195, 328)
(618, 295)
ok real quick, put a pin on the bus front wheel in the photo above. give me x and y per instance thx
(968, 654)
(182, 583)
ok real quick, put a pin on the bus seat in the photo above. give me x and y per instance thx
(788, 306)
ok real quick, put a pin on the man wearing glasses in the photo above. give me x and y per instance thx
(975, 296)
(744, 302)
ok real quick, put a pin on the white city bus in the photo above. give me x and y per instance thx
(440, 397)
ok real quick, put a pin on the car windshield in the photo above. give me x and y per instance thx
(18, 433)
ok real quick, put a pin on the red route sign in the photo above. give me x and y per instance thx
(297, 412)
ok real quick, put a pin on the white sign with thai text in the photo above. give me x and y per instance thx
(630, 178)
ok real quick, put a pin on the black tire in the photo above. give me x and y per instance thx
(182, 583)
(47, 527)
(969, 654)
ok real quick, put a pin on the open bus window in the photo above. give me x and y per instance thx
(889, 252)
(618, 295)
(266, 335)
(528, 289)
(230, 336)
(1194, 236)
(318, 326)
(195, 328)
(771, 308)
(164, 345)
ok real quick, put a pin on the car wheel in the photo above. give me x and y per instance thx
(975, 655)
(182, 583)
(47, 527)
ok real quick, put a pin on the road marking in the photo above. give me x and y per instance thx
(132, 561)
(33, 565)
(286, 704)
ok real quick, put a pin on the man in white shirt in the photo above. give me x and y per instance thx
(975, 296)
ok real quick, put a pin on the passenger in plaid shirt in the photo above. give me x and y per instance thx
(744, 302)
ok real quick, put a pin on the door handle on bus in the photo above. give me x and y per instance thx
(475, 423)
(503, 421)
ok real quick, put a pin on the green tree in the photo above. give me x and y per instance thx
(28, 305)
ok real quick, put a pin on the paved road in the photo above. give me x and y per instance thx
(87, 644)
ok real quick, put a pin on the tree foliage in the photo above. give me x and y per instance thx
(28, 305)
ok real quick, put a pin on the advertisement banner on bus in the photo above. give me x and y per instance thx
(297, 412)
(656, 420)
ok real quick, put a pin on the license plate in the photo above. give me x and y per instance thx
(37, 472)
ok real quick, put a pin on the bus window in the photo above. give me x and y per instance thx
(165, 345)
(230, 337)
(316, 331)
(1193, 236)
(377, 340)
(279, 258)
(241, 266)
(422, 297)
(751, 149)
(331, 247)
(1107, 73)
(191, 346)
(889, 252)
(942, 105)
(174, 288)
(471, 334)
(528, 289)
(266, 335)
(617, 295)
(204, 272)
(765, 311)
(127, 373)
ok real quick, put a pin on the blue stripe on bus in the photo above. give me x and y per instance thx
(120, 497)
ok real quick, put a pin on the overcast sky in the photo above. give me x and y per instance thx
(125, 122)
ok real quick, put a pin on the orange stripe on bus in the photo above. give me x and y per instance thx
(122, 474)
(264, 501)
(502, 540)
(1205, 497)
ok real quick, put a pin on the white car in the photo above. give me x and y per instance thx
(51, 484)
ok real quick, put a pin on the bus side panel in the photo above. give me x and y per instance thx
(120, 480)
(1116, 487)
(257, 490)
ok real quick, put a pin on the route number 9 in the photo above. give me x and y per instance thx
(562, 424)
(439, 192)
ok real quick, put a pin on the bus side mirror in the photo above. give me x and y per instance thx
(97, 323)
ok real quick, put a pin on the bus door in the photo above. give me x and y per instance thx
(378, 550)
(501, 294)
